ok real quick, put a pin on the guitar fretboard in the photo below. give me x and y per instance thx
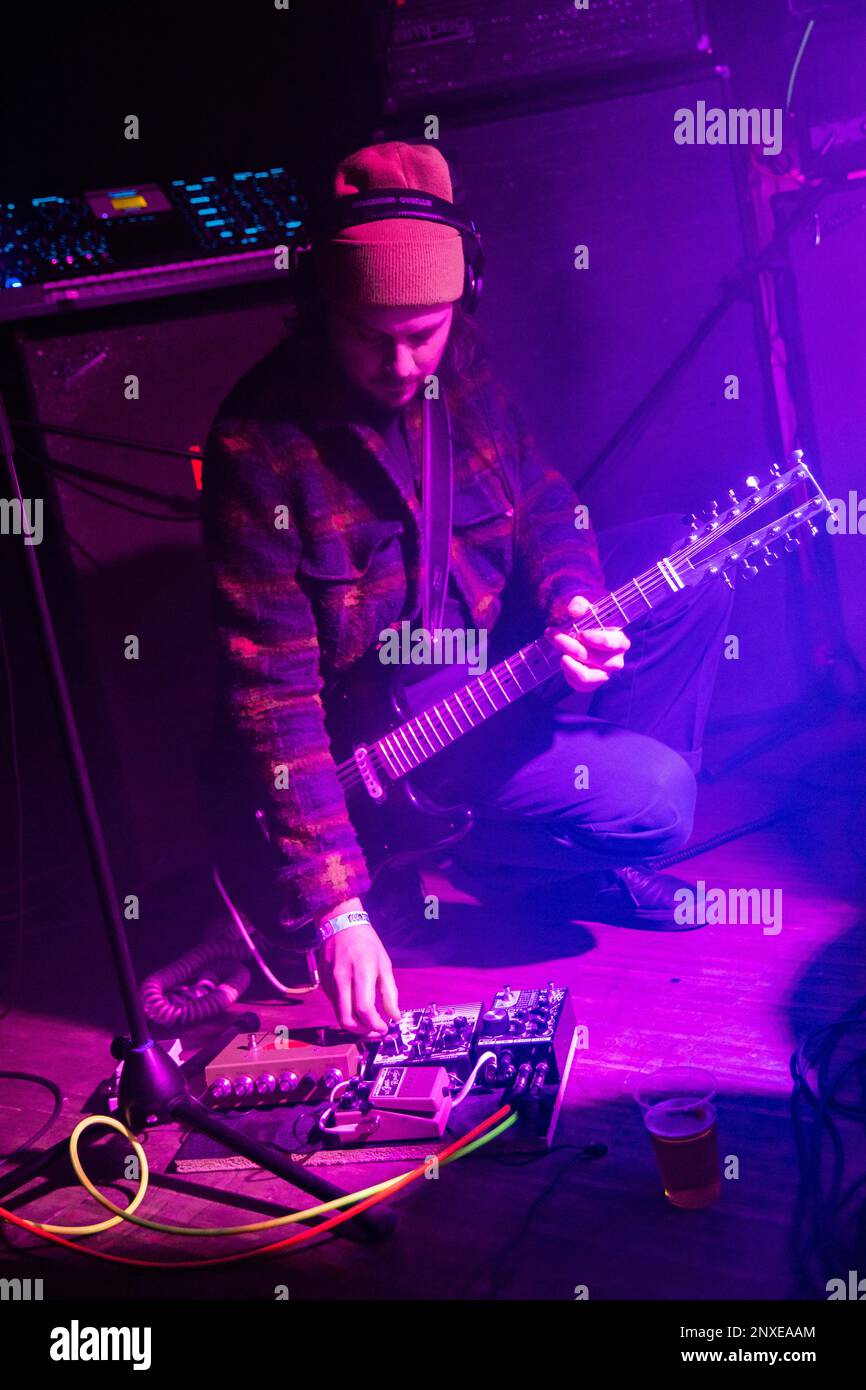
(418, 739)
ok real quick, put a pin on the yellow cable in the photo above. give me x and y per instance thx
(122, 1213)
(125, 1213)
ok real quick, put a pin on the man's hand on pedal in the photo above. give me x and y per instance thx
(356, 974)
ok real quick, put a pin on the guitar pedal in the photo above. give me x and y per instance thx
(438, 1035)
(278, 1068)
(402, 1103)
(530, 1032)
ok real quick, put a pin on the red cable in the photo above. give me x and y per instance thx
(331, 1223)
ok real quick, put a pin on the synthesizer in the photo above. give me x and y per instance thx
(108, 246)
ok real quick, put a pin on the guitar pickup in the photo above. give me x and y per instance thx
(361, 754)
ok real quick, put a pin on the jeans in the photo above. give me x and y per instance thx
(563, 783)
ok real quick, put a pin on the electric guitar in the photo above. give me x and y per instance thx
(396, 822)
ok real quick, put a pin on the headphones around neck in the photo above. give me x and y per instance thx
(381, 204)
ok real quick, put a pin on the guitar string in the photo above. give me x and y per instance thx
(349, 773)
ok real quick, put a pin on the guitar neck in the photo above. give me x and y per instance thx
(420, 738)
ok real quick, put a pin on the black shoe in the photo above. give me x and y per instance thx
(641, 899)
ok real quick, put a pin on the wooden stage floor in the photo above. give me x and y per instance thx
(729, 998)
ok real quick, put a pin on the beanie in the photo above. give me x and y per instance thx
(398, 260)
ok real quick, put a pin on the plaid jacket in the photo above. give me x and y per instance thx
(315, 545)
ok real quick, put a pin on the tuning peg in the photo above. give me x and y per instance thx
(813, 529)
(792, 543)
(748, 570)
(734, 499)
(727, 579)
(775, 470)
(691, 520)
(769, 557)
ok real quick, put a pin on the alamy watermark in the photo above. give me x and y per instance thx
(846, 516)
(443, 646)
(77, 1343)
(738, 125)
(700, 906)
(854, 1288)
(22, 517)
(20, 1290)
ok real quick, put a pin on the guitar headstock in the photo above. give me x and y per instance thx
(721, 543)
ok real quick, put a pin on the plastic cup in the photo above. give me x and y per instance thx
(680, 1118)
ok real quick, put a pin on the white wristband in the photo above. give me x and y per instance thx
(332, 925)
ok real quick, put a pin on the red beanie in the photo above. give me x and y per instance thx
(398, 260)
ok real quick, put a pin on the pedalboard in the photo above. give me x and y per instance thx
(281, 1067)
(401, 1088)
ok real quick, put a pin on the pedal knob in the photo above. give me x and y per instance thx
(332, 1078)
(266, 1083)
(221, 1087)
(243, 1086)
(494, 1022)
(288, 1081)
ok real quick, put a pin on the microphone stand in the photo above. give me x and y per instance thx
(153, 1088)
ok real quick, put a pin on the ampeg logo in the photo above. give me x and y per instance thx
(77, 1343)
(420, 33)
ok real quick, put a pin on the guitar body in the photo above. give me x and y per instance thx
(406, 823)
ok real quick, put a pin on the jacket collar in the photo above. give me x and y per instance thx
(332, 401)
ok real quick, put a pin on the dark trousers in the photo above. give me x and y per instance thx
(563, 783)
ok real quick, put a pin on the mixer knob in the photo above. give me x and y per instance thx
(288, 1081)
(243, 1086)
(332, 1078)
(221, 1087)
(266, 1083)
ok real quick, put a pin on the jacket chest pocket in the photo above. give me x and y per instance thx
(348, 557)
(481, 500)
